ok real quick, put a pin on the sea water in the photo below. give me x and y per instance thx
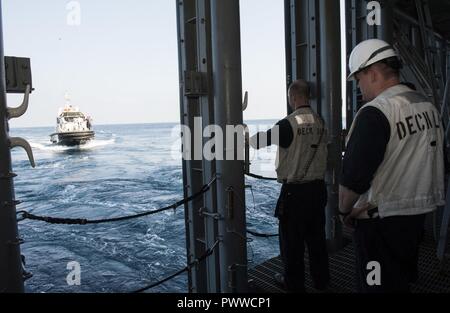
(127, 169)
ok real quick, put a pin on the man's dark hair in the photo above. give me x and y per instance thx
(392, 67)
(300, 88)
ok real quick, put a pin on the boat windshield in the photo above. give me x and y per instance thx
(72, 115)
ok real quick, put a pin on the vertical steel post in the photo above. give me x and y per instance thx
(226, 51)
(351, 38)
(288, 40)
(331, 107)
(192, 168)
(206, 102)
(387, 18)
(302, 45)
(11, 279)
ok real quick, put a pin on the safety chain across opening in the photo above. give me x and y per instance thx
(185, 269)
(256, 234)
(260, 177)
(71, 221)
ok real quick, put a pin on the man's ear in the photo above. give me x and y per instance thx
(373, 75)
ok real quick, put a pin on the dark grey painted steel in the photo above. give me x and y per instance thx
(387, 16)
(288, 31)
(303, 45)
(192, 169)
(11, 279)
(206, 102)
(226, 51)
(331, 107)
(429, 70)
(443, 234)
(18, 75)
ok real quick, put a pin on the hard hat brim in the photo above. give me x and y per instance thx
(373, 61)
(351, 77)
(381, 53)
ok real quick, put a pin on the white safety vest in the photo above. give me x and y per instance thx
(306, 158)
(410, 179)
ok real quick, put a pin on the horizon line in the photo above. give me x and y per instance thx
(132, 123)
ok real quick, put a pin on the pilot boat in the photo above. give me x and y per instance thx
(73, 127)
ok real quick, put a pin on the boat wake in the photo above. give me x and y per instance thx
(93, 144)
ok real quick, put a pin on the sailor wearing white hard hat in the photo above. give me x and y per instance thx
(393, 169)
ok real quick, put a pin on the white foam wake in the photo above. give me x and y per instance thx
(93, 144)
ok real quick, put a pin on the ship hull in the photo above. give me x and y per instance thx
(72, 138)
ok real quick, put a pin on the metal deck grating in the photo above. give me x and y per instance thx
(342, 272)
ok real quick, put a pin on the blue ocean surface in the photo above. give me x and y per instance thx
(127, 169)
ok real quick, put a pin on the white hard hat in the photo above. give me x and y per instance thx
(367, 53)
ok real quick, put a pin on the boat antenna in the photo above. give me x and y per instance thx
(67, 97)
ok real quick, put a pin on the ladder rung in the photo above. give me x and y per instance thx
(192, 20)
(201, 240)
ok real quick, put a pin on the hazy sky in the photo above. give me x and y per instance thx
(120, 65)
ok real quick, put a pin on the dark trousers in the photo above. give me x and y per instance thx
(393, 242)
(301, 213)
